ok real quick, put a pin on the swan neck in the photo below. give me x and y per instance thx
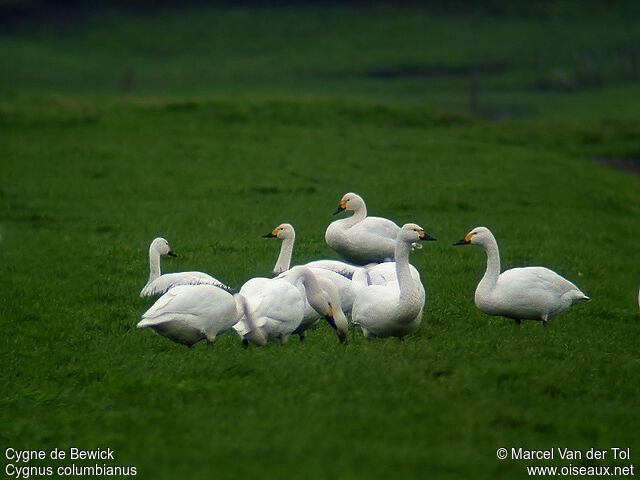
(403, 271)
(313, 290)
(284, 258)
(492, 271)
(154, 264)
(359, 214)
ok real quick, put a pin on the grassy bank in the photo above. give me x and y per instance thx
(213, 147)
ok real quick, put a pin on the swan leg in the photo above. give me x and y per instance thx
(245, 343)
(211, 340)
(301, 335)
(283, 339)
(367, 334)
(544, 320)
(517, 320)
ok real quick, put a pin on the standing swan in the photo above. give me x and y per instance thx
(159, 284)
(360, 239)
(393, 310)
(525, 293)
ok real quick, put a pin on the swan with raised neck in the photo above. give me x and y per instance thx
(158, 283)
(524, 293)
(339, 273)
(394, 310)
(287, 234)
(159, 246)
(361, 239)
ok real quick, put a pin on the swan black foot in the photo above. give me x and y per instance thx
(245, 343)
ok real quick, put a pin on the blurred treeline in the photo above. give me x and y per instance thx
(15, 12)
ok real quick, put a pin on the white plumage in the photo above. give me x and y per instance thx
(157, 284)
(276, 306)
(331, 297)
(525, 293)
(395, 308)
(332, 270)
(189, 313)
(361, 239)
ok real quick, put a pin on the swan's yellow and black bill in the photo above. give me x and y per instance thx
(171, 254)
(425, 237)
(341, 207)
(465, 241)
(271, 234)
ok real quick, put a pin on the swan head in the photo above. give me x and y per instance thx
(161, 247)
(412, 233)
(331, 308)
(323, 296)
(350, 202)
(477, 236)
(282, 231)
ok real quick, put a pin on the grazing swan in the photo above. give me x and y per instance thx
(159, 284)
(393, 310)
(277, 305)
(321, 268)
(525, 293)
(189, 313)
(336, 315)
(360, 239)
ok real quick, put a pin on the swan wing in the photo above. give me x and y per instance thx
(190, 301)
(386, 274)
(539, 278)
(168, 281)
(380, 226)
(277, 306)
(189, 313)
(282, 306)
(534, 292)
(345, 269)
(372, 239)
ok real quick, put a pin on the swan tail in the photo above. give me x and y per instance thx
(146, 323)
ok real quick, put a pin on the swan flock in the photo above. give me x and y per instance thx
(376, 288)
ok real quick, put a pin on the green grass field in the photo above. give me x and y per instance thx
(211, 126)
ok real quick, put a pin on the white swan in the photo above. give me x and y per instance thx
(525, 293)
(394, 309)
(287, 234)
(158, 284)
(336, 315)
(187, 314)
(321, 268)
(277, 305)
(360, 239)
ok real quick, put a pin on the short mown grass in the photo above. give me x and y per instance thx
(90, 177)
